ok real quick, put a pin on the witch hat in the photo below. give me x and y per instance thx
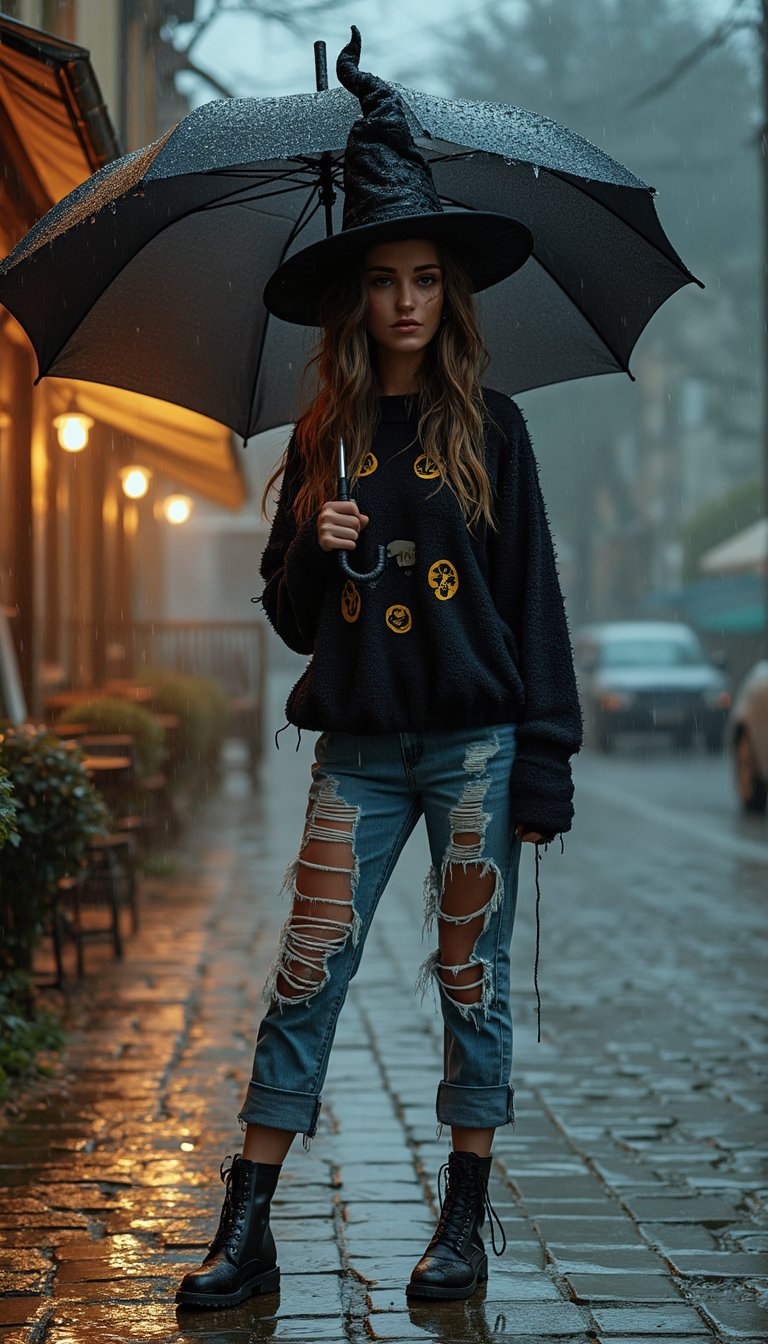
(389, 195)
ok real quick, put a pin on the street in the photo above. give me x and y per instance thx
(631, 1188)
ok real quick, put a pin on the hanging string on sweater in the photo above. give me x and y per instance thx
(538, 934)
(282, 730)
(279, 731)
(538, 947)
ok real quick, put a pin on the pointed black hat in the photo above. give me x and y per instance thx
(389, 195)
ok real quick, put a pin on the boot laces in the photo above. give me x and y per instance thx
(458, 1205)
(232, 1213)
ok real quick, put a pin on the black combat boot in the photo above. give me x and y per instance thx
(455, 1261)
(241, 1259)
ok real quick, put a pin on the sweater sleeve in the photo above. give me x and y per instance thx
(294, 567)
(528, 596)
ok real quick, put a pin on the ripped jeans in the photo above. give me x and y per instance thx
(366, 796)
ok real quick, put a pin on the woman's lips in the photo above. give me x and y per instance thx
(406, 326)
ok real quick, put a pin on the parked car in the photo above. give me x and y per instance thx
(747, 736)
(649, 676)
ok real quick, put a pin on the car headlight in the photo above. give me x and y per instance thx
(613, 700)
(717, 699)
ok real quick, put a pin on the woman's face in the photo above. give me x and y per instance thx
(404, 284)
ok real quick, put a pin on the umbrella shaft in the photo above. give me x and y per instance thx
(321, 67)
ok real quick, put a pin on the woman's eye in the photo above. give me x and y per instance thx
(427, 280)
(380, 280)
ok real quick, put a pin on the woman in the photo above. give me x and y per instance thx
(444, 688)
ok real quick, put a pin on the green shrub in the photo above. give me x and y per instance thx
(26, 1031)
(7, 808)
(57, 811)
(202, 709)
(110, 715)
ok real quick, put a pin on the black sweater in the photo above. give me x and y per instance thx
(462, 629)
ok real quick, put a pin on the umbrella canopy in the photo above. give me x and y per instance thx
(150, 275)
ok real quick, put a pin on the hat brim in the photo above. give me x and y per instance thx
(489, 246)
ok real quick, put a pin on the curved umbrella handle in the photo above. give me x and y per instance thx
(381, 551)
(375, 573)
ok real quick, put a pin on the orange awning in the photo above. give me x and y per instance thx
(52, 99)
(190, 448)
(52, 108)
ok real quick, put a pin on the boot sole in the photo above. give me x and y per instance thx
(264, 1283)
(446, 1294)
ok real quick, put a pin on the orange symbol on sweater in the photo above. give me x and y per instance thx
(350, 601)
(426, 468)
(398, 619)
(368, 465)
(443, 578)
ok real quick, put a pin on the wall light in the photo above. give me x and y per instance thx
(135, 481)
(177, 508)
(72, 428)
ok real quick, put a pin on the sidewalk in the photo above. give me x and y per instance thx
(629, 1190)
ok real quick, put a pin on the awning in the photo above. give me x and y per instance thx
(51, 98)
(726, 603)
(56, 131)
(746, 553)
(193, 450)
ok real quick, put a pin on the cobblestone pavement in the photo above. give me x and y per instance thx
(631, 1188)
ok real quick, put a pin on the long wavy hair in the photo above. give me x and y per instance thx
(451, 412)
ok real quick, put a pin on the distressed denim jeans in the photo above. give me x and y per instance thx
(366, 796)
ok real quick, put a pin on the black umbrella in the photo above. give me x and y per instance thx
(149, 275)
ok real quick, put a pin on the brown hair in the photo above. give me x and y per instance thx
(450, 405)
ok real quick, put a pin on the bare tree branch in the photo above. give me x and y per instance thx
(720, 33)
(216, 84)
(292, 15)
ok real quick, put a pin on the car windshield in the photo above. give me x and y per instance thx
(651, 653)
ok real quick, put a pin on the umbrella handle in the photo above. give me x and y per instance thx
(381, 551)
(371, 574)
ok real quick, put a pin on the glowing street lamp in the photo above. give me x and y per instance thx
(72, 428)
(135, 481)
(177, 508)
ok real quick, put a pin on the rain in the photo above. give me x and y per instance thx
(186, 857)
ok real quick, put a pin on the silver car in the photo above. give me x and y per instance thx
(748, 739)
(649, 676)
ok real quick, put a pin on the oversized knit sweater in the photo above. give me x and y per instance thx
(464, 628)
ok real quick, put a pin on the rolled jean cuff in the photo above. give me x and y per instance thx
(279, 1109)
(475, 1107)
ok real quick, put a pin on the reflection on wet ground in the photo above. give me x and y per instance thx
(631, 1188)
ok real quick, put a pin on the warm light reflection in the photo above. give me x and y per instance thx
(135, 481)
(177, 508)
(72, 429)
(187, 1147)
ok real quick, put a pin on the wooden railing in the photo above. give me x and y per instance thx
(231, 653)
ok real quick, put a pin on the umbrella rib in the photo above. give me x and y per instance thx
(682, 268)
(678, 262)
(294, 233)
(197, 210)
(257, 173)
(245, 199)
(620, 362)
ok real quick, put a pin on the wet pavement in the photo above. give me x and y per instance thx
(632, 1188)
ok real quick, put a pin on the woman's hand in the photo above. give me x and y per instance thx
(339, 524)
(535, 837)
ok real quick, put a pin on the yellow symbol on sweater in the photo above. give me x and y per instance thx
(398, 619)
(368, 465)
(443, 578)
(350, 601)
(426, 468)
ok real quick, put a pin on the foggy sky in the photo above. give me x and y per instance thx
(401, 41)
